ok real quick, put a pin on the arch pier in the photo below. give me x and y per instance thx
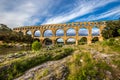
(75, 30)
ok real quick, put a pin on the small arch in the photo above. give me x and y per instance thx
(95, 39)
(82, 41)
(95, 31)
(59, 41)
(21, 33)
(48, 33)
(71, 32)
(28, 32)
(37, 33)
(47, 41)
(59, 32)
(83, 31)
(36, 39)
(71, 41)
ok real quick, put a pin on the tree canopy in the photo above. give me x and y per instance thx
(112, 29)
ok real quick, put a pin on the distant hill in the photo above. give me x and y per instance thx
(4, 29)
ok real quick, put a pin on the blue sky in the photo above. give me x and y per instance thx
(15, 13)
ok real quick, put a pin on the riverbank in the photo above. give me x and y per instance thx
(8, 48)
(100, 60)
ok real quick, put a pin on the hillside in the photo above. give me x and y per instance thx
(9, 36)
(4, 28)
(84, 62)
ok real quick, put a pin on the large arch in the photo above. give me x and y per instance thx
(95, 31)
(47, 41)
(71, 32)
(59, 32)
(60, 41)
(28, 32)
(37, 33)
(95, 39)
(83, 31)
(71, 41)
(83, 40)
(48, 33)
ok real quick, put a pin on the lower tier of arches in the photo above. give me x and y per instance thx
(69, 40)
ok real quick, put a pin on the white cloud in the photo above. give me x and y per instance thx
(82, 8)
(16, 13)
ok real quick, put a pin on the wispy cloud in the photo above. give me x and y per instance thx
(115, 12)
(82, 7)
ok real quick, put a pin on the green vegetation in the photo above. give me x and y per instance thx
(85, 67)
(112, 29)
(17, 67)
(113, 43)
(36, 46)
(82, 41)
(8, 36)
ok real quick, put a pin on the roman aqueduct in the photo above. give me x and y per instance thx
(76, 26)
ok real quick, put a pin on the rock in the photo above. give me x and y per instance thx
(93, 51)
(109, 75)
(2, 60)
(11, 56)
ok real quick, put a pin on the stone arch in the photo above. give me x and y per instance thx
(37, 33)
(48, 33)
(95, 31)
(28, 32)
(59, 32)
(83, 40)
(95, 39)
(83, 31)
(21, 33)
(60, 41)
(47, 41)
(36, 39)
(71, 32)
(71, 41)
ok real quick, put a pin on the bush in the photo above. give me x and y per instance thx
(36, 46)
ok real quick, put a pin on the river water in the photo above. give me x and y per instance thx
(4, 51)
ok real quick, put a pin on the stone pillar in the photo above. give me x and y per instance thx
(24, 32)
(100, 37)
(76, 42)
(41, 41)
(89, 38)
(42, 33)
(32, 33)
(77, 36)
(54, 32)
(65, 42)
(53, 42)
(65, 36)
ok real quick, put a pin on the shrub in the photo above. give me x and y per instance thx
(36, 46)
(60, 45)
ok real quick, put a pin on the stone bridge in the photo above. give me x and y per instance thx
(65, 27)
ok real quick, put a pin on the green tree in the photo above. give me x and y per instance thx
(36, 46)
(118, 31)
(111, 29)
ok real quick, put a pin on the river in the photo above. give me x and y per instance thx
(4, 51)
